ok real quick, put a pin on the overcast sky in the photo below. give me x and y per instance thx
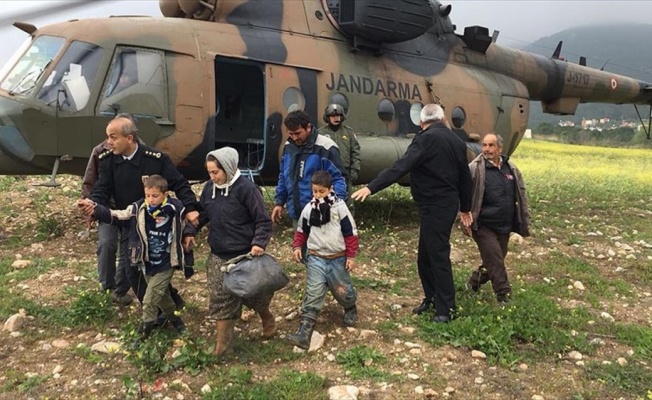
(519, 22)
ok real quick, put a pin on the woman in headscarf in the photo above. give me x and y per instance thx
(239, 224)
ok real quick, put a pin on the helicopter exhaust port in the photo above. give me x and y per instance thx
(374, 22)
(195, 9)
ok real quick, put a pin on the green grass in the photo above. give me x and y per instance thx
(22, 383)
(584, 173)
(529, 329)
(238, 383)
(249, 350)
(10, 292)
(89, 306)
(639, 337)
(84, 352)
(561, 271)
(633, 379)
(362, 362)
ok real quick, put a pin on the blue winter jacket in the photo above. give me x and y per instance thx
(294, 189)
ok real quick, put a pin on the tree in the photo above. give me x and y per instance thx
(545, 128)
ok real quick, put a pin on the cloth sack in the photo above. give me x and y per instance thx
(247, 276)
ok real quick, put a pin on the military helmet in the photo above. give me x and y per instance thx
(334, 109)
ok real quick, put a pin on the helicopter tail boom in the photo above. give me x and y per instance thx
(561, 85)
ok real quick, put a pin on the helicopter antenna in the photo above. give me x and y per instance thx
(557, 52)
(605, 64)
(494, 36)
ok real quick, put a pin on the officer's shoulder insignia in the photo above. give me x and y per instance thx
(155, 154)
(104, 154)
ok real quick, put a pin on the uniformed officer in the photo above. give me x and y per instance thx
(121, 173)
(346, 142)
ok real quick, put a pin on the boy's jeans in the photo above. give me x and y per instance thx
(325, 274)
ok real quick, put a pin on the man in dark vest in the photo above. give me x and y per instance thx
(499, 206)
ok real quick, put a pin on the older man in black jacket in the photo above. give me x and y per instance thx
(121, 174)
(440, 183)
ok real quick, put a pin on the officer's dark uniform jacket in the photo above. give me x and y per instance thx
(122, 179)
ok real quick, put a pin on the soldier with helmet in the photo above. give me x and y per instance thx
(346, 142)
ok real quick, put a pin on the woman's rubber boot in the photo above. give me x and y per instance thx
(302, 337)
(224, 328)
(269, 324)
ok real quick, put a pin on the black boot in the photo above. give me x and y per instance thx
(302, 336)
(423, 307)
(350, 316)
(177, 324)
(161, 320)
(146, 328)
(176, 297)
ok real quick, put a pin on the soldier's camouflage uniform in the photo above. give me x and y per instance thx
(349, 148)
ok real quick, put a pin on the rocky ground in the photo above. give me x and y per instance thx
(42, 359)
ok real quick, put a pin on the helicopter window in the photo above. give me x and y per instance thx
(415, 113)
(136, 83)
(339, 98)
(124, 73)
(458, 117)
(386, 110)
(24, 75)
(293, 99)
(74, 74)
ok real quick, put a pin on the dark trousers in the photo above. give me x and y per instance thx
(433, 261)
(493, 250)
(107, 247)
(135, 275)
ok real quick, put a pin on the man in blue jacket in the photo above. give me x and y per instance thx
(304, 153)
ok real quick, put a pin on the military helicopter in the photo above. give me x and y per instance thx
(214, 73)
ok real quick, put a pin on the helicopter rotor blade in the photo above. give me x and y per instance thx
(45, 11)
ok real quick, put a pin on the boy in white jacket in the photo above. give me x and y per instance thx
(328, 228)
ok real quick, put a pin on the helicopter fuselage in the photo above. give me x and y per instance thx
(198, 85)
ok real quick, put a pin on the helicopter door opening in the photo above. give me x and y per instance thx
(240, 111)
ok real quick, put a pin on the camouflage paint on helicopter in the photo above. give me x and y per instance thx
(228, 75)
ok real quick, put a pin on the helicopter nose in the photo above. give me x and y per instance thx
(15, 153)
